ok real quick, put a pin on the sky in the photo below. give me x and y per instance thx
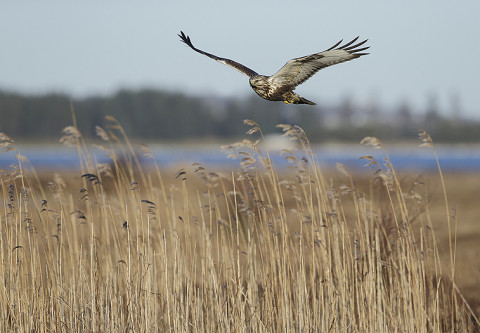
(420, 52)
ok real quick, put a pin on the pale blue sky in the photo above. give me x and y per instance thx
(417, 49)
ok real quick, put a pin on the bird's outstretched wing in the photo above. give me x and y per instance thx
(298, 70)
(239, 67)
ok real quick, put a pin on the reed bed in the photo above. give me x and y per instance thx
(117, 247)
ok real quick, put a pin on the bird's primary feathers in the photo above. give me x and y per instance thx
(280, 86)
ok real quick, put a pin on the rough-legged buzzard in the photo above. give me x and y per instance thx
(280, 86)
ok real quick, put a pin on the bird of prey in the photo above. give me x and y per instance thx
(280, 86)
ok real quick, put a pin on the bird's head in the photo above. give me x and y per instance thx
(257, 81)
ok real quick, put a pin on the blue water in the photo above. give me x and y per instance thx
(455, 158)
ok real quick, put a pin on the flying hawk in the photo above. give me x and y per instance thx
(280, 86)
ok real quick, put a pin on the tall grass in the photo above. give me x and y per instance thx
(121, 248)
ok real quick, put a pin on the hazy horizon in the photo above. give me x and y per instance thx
(419, 53)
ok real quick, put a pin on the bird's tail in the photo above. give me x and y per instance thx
(302, 100)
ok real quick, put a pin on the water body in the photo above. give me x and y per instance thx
(451, 157)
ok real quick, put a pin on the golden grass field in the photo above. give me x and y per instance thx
(119, 248)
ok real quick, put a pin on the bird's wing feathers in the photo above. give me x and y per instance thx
(239, 67)
(298, 70)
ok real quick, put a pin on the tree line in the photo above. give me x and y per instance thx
(150, 114)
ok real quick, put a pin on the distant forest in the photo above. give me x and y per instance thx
(159, 115)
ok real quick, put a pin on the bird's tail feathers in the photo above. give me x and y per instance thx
(302, 100)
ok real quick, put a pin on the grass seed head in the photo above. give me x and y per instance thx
(425, 138)
(373, 142)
